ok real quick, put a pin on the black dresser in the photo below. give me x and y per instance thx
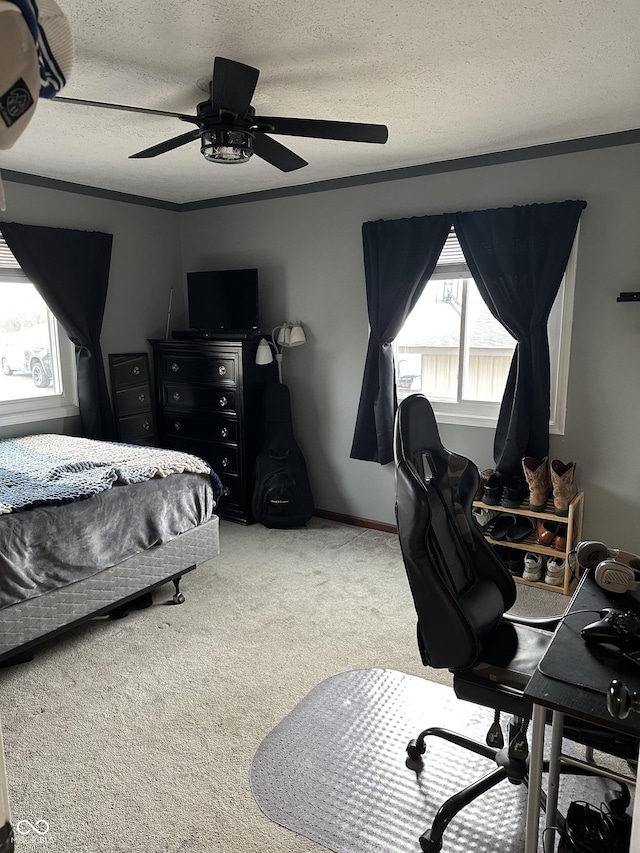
(132, 398)
(209, 403)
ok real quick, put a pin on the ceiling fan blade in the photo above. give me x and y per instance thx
(169, 145)
(348, 131)
(276, 154)
(107, 106)
(233, 86)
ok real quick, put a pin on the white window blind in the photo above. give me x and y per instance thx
(451, 263)
(8, 263)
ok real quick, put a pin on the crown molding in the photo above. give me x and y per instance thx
(534, 152)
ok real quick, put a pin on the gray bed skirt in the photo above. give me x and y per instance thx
(25, 625)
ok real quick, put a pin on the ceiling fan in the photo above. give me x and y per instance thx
(229, 130)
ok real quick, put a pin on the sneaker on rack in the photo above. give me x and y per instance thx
(554, 574)
(534, 566)
(484, 517)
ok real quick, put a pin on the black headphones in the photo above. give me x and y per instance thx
(615, 570)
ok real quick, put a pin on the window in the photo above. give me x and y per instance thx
(37, 359)
(452, 349)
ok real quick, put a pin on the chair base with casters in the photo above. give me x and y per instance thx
(511, 765)
(462, 591)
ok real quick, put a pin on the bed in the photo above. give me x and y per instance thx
(87, 527)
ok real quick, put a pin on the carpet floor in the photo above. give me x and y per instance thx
(335, 770)
(138, 734)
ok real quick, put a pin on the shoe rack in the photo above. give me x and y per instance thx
(574, 518)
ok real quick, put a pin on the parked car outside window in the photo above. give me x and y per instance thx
(408, 380)
(27, 351)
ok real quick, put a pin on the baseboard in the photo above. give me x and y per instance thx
(357, 522)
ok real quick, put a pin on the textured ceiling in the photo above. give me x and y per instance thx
(450, 78)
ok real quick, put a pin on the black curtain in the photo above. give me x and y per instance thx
(399, 258)
(70, 269)
(518, 257)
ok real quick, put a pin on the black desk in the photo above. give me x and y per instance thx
(569, 657)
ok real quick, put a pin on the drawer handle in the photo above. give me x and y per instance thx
(176, 395)
(177, 426)
(225, 461)
(136, 370)
(224, 432)
(141, 398)
(146, 425)
(226, 491)
(222, 369)
(175, 367)
(223, 402)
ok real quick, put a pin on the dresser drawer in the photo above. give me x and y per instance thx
(132, 400)
(223, 429)
(137, 429)
(202, 427)
(232, 494)
(189, 397)
(218, 369)
(222, 459)
(207, 426)
(129, 370)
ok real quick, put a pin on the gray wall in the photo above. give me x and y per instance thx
(308, 249)
(145, 264)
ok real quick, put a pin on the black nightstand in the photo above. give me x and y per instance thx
(132, 397)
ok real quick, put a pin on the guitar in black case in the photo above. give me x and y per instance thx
(282, 496)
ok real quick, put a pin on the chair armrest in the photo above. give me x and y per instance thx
(545, 623)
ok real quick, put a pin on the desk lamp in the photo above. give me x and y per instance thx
(286, 335)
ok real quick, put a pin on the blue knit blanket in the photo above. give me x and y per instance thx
(42, 469)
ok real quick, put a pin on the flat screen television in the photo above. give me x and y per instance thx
(223, 299)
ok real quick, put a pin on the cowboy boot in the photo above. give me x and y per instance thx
(564, 488)
(536, 473)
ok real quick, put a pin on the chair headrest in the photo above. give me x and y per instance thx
(417, 436)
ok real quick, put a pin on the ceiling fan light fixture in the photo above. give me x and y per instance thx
(224, 145)
(229, 129)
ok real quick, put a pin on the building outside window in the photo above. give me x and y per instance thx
(452, 349)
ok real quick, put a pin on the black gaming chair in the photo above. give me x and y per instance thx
(461, 591)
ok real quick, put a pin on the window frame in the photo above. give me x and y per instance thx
(63, 405)
(485, 414)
